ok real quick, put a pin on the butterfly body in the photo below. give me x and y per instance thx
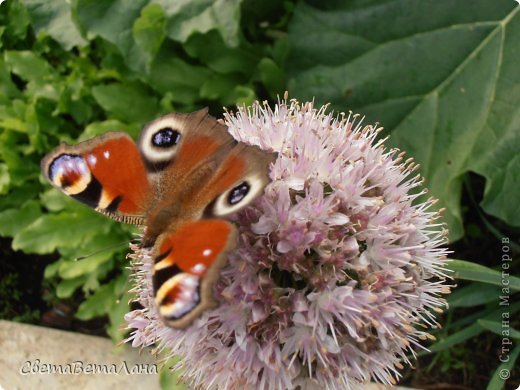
(184, 176)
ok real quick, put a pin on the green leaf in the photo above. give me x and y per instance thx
(272, 77)
(13, 221)
(18, 20)
(19, 195)
(52, 269)
(54, 18)
(168, 379)
(502, 372)
(457, 337)
(182, 80)
(472, 330)
(186, 17)
(54, 200)
(28, 65)
(118, 98)
(73, 268)
(60, 230)
(473, 295)
(497, 328)
(5, 179)
(119, 308)
(86, 258)
(149, 30)
(7, 87)
(66, 287)
(113, 20)
(213, 51)
(479, 273)
(245, 95)
(97, 128)
(98, 303)
(441, 78)
(220, 87)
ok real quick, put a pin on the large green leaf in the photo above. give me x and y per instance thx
(443, 76)
(28, 65)
(129, 102)
(172, 75)
(213, 52)
(186, 17)
(113, 20)
(55, 19)
(149, 30)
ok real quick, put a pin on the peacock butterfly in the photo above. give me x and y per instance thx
(184, 176)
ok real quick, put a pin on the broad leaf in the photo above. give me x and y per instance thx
(213, 51)
(172, 75)
(28, 65)
(186, 17)
(113, 20)
(118, 98)
(442, 78)
(55, 19)
(149, 30)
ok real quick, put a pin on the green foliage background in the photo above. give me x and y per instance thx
(441, 76)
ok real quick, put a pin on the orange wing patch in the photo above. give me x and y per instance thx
(106, 173)
(117, 165)
(187, 264)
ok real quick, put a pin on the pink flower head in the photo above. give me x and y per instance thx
(336, 264)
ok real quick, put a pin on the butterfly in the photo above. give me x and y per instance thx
(181, 180)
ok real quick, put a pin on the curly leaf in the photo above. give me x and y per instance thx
(66, 229)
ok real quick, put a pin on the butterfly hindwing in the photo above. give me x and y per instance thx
(106, 173)
(187, 262)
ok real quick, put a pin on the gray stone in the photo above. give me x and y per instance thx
(29, 353)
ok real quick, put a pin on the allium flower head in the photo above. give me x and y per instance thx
(335, 267)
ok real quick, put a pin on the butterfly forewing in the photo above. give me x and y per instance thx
(106, 173)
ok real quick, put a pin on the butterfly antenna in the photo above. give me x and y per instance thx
(101, 250)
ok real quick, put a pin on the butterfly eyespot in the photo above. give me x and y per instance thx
(166, 137)
(160, 141)
(238, 193)
(238, 196)
(69, 172)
